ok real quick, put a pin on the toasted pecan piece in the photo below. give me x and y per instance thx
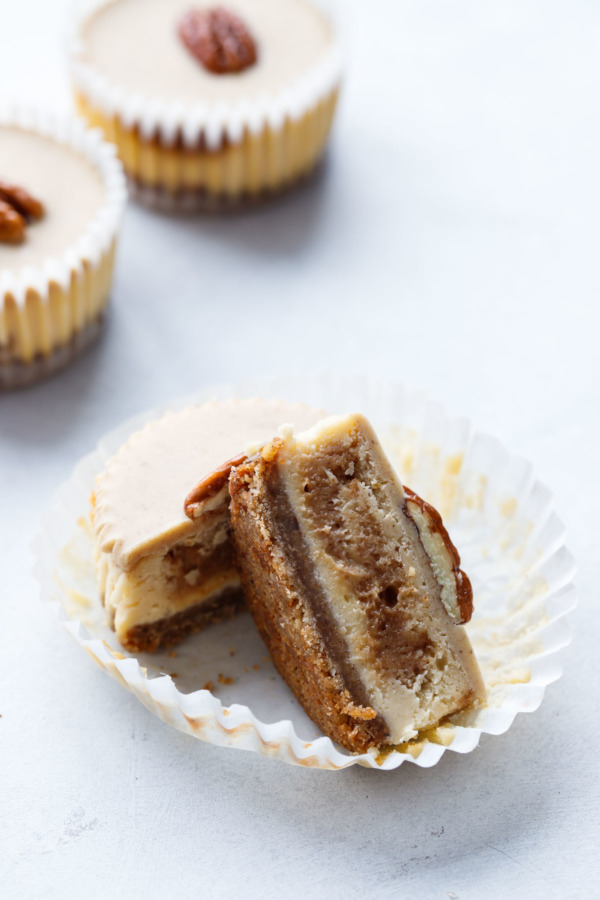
(210, 486)
(12, 224)
(218, 39)
(21, 200)
(431, 530)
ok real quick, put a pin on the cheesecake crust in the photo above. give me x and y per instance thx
(172, 629)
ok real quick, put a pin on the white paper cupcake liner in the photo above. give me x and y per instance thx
(168, 121)
(221, 687)
(102, 230)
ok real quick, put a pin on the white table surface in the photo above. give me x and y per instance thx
(452, 244)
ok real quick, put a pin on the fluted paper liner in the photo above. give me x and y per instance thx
(220, 685)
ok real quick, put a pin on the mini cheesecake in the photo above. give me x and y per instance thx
(211, 105)
(61, 196)
(163, 574)
(354, 585)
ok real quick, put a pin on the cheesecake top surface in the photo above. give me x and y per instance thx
(139, 498)
(68, 186)
(135, 44)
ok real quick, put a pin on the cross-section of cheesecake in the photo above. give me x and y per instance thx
(354, 585)
(163, 574)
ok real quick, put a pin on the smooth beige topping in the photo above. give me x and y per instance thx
(71, 189)
(135, 44)
(140, 496)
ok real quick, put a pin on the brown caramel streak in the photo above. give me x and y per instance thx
(464, 591)
(210, 486)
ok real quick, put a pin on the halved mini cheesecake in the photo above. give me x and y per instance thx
(354, 585)
(162, 574)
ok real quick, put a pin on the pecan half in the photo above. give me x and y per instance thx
(21, 200)
(210, 486)
(218, 39)
(12, 224)
(17, 207)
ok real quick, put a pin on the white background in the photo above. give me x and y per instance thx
(452, 244)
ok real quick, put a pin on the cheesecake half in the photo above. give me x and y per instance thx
(163, 574)
(354, 584)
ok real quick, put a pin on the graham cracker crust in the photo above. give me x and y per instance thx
(171, 630)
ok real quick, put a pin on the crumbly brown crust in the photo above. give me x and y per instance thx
(283, 596)
(169, 631)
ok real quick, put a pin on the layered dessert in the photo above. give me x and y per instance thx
(61, 197)
(163, 574)
(354, 585)
(238, 106)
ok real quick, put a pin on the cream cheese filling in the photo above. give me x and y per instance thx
(396, 703)
(147, 593)
(452, 669)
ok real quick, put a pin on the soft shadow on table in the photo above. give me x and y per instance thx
(465, 806)
(280, 226)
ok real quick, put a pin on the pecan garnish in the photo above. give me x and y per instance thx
(17, 207)
(210, 486)
(218, 39)
(12, 224)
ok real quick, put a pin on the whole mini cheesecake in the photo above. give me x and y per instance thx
(61, 197)
(209, 105)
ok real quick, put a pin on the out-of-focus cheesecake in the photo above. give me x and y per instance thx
(210, 105)
(61, 197)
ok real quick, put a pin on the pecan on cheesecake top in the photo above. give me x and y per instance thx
(17, 208)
